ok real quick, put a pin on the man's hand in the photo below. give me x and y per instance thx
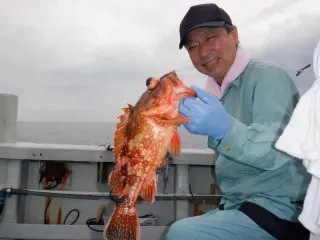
(207, 116)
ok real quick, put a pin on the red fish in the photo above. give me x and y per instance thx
(144, 135)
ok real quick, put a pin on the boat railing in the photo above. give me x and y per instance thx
(14, 154)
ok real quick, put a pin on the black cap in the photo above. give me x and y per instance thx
(203, 15)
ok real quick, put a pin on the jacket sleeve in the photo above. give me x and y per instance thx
(274, 98)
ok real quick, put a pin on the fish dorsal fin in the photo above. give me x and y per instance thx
(120, 135)
(175, 144)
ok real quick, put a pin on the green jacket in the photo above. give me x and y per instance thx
(248, 166)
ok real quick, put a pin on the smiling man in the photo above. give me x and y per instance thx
(217, 52)
(243, 110)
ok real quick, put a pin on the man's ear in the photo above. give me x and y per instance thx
(234, 33)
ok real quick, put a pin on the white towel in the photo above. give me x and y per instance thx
(301, 139)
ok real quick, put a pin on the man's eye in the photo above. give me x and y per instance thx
(191, 47)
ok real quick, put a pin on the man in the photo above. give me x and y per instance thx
(252, 101)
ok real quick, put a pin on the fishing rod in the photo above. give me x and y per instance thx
(302, 69)
(7, 192)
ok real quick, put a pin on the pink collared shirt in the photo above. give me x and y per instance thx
(240, 63)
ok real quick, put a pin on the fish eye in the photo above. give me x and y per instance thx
(152, 82)
(148, 81)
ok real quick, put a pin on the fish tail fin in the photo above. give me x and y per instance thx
(123, 224)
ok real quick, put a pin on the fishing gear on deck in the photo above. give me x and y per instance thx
(47, 220)
(165, 172)
(52, 173)
(115, 198)
(69, 213)
(92, 221)
(98, 220)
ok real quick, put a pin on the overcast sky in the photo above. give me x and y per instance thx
(85, 60)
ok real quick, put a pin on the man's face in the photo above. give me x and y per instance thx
(212, 50)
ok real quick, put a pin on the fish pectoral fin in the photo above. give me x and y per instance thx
(117, 180)
(171, 121)
(150, 191)
(175, 144)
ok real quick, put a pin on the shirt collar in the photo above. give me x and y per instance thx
(239, 65)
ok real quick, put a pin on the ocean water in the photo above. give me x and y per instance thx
(84, 133)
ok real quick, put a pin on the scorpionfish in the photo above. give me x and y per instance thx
(143, 137)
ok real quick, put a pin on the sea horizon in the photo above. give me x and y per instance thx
(83, 133)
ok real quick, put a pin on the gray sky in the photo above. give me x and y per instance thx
(85, 60)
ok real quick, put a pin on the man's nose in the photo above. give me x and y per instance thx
(203, 50)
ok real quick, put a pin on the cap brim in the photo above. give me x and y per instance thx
(205, 24)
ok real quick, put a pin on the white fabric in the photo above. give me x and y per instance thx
(301, 139)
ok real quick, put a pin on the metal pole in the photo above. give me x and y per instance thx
(8, 124)
(182, 187)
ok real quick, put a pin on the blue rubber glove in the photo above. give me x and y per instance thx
(207, 116)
